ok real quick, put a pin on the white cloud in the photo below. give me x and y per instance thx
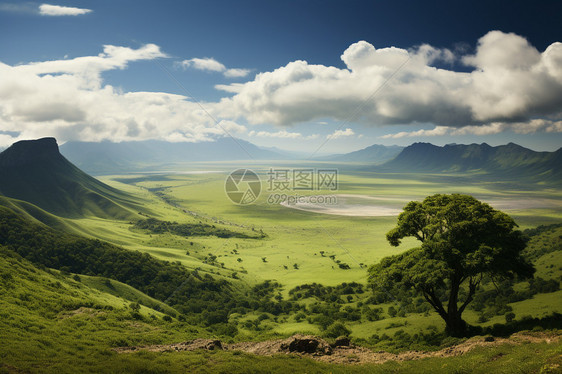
(341, 134)
(236, 73)
(231, 127)
(282, 134)
(57, 10)
(206, 64)
(489, 129)
(232, 88)
(532, 126)
(511, 82)
(212, 65)
(513, 87)
(89, 68)
(437, 131)
(69, 100)
(536, 125)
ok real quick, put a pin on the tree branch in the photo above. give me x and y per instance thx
(434, 301)
(472, 286)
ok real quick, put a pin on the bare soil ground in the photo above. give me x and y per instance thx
(349, 205)
(342, 352)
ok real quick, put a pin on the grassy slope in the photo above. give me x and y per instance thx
(34, 171)
(52, 323)
(34, 213)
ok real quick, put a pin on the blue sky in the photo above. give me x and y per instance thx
(290, 74)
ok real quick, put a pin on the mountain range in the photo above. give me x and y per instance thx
(376, 154)
(43, 172)
(108, 157)
(113, 158)
(510, 160)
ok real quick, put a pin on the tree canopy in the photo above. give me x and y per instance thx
(462, 240)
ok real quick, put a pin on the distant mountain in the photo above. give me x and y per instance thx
(287, 155)
(108, 157)
(34, 171)
(375, 154)
(506, 160)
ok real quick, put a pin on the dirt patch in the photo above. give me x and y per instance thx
(346, 353)
(347, 205)
(298, 344)
(191, 345)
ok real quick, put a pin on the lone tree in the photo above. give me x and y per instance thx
(462, 240)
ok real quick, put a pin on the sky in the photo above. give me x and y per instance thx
(319, 76)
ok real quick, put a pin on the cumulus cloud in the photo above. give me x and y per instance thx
(529, 127)
(341, 134)
(212, 65)
(236, 73)
(231, 127)
(513, 86)
(437, 131)
(511, 82)
(536, 125)
(489, 129)
(208, 64)
(89, 68)
(57, 10)
(232, 88)
(69, 100)
(282, 134)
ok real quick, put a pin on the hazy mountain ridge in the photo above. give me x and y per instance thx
(376, 153)
(505, 160)
(34, 171)
(108, 157)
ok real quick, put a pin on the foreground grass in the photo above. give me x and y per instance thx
(49, 320)
(528, 358)
(525, 358)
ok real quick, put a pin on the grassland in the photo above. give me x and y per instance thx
(316, 243)
(298, 237)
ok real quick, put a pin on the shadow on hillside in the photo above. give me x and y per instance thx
(550, 322)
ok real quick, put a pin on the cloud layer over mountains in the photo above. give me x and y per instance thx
(512, 86)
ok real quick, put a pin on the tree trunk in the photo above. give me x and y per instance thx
(456, 326)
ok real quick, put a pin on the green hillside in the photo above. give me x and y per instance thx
(34, 171)
(58, 322)
(35, 214)
(55, 322)
(199, 297)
